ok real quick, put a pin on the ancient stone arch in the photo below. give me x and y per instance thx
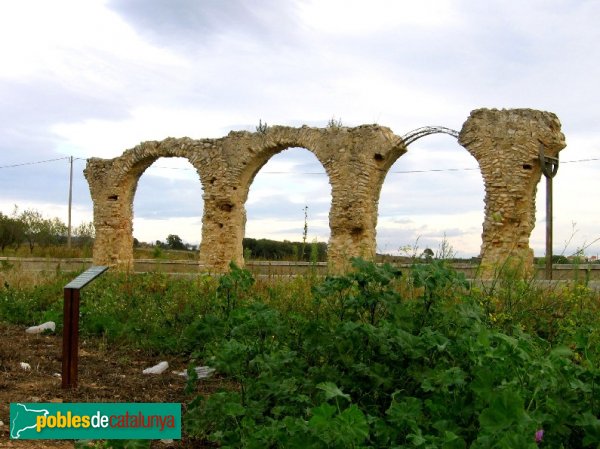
(356, 161)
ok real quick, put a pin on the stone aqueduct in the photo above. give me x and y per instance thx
(505, 144)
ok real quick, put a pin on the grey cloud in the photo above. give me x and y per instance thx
(279, 206)
(44, 182)
(29, 108)
(190, 23)
(159, 198)
(321, 233)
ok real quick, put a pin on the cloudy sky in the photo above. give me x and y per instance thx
(93, 78)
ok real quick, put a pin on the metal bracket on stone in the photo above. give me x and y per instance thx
(549, 164)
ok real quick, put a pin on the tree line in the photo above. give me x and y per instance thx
(265, 249)
(254, 249)
(29, 227)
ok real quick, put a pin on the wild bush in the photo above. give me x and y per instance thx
(372, 369)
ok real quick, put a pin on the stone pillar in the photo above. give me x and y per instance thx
(506, 145)
(352, 219)
(113, 244)
(356, 178)
(222, 229)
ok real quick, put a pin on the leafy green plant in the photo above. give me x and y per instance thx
(233, 286)
(365, 369)
(437, 279)
(364, 294)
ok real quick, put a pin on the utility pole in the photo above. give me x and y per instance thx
(549, 168)
(70, 201)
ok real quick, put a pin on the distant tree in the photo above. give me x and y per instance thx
(38, 230)
(264, 249)
(85, 234)
(175, 242)
(33, 226)
(559, 259)
(11, 231)
(427, 254)
(54, 232)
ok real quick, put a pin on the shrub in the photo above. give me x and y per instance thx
(373, 370)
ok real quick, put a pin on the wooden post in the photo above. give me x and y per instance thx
(70, 337)
(549, 169)
(548, 228)
(70, 349)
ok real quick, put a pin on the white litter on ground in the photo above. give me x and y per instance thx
(157, 369)
(49, 325)
(25, 366)
(202, 371)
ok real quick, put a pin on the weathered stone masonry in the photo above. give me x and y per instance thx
(356, 161)
(506, 145)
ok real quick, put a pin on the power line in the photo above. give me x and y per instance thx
(581, 160)
(435, 170)
(395, 171)
(289, 172)
(34, 163)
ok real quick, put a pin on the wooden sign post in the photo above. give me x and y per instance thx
(70, 353)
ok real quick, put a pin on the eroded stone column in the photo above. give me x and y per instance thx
(506, 145)
(113, 244)
(356, 178)
(222, 230)
(353, 219)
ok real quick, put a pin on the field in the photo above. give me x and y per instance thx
(376, 358)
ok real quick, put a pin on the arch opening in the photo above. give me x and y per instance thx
(168, 202)
(432, 199)
(290, 191)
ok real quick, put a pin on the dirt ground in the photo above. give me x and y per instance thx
(106, 374)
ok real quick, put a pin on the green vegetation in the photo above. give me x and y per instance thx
(265, 249)
(334, 123)
(262, 128)
(375, 358)
(29, 233)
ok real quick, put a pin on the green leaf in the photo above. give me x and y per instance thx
(405, 413)
(321, 415)
(505, 409)
(561, 351)
(352, 425)
(453, 441)
(332, 391)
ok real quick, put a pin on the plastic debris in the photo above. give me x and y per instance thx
(25, 366)
(167, 441)
(1, 423)
(157, 369)
(49, 325)
(202, 371)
